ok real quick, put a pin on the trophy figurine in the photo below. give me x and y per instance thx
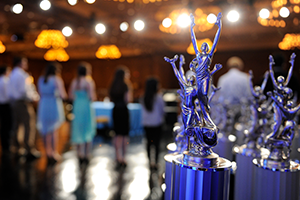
(254, 137)
(277, 167)
(197, 172)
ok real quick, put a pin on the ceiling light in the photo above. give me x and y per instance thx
(183, 20)
(264, 13)
(211, 18)
(108, 52)
(167, 22)
(284, 12)
(100, 28)
(124, 26)
(90, 1)
(72, 2)
(67, 31)
(45, 5)
(139, 25)
(17, 8)
(2, 47)
(233, 16)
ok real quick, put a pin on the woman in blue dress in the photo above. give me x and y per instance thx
(50, 114)
(82, 93)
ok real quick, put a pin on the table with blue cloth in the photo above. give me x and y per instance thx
(103, 112)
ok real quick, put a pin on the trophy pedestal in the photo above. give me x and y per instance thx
(200, 178)
(168, 174)
(244, 174)
(276, 182)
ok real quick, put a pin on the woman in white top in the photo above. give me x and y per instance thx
(153, 116)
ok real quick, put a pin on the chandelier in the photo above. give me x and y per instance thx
(56, 54)
(280, 9)
(55, 40)
(290, 41)
(201, 22)
(108, 52)
(191, 50)
(2, 47)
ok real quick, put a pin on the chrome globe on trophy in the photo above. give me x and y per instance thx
(276, 176)
(198, 172)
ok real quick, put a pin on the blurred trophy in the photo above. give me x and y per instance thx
(276, 175)
(198, 172)
(254, 136)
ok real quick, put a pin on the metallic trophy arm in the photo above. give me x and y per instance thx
(181, 63)
(217, 36)
(251, 84)
(216, 68)
(264, 83)
(292, 60)
(271, 63)
(194, 40)
(176, 72)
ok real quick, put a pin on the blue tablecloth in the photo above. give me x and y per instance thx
(104, 109)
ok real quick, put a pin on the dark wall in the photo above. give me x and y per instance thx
(154, 65)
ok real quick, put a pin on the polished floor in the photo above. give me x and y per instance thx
(98, 179)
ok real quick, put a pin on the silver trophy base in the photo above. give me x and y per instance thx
(168, 174)
(274, 182)
(197, 181)
(244, 174)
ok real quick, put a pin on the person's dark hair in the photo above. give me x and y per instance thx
(51, 69)
(17, 60)
(118, 87)
(150, 92)
(3, 69)
(81, 71)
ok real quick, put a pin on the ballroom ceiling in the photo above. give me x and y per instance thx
(245, 34)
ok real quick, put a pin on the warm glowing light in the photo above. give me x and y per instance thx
(167, 22)
(67, 31)
(284, 12)
(17, 8)
(290, 41)
(100, 28)
(72, 2)
(108, 52)
(233, 16)
(2, 47)
(45, 5)
(90, 1)
(211, 18)
(183, 20)
(296, 9)
(264, 13)
(124, 26)
(190, 49)
(51, 38)
(56, 54)
(139, 25)
(201, 21)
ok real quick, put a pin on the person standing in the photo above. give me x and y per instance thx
(235, 83)
(22, 93)
(50, 108)
(121, 94)
(83, 129)
(152, 117)
(5, 110)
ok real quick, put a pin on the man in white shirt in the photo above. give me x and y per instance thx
(5, 110)
(21, 95)
(235, 83)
